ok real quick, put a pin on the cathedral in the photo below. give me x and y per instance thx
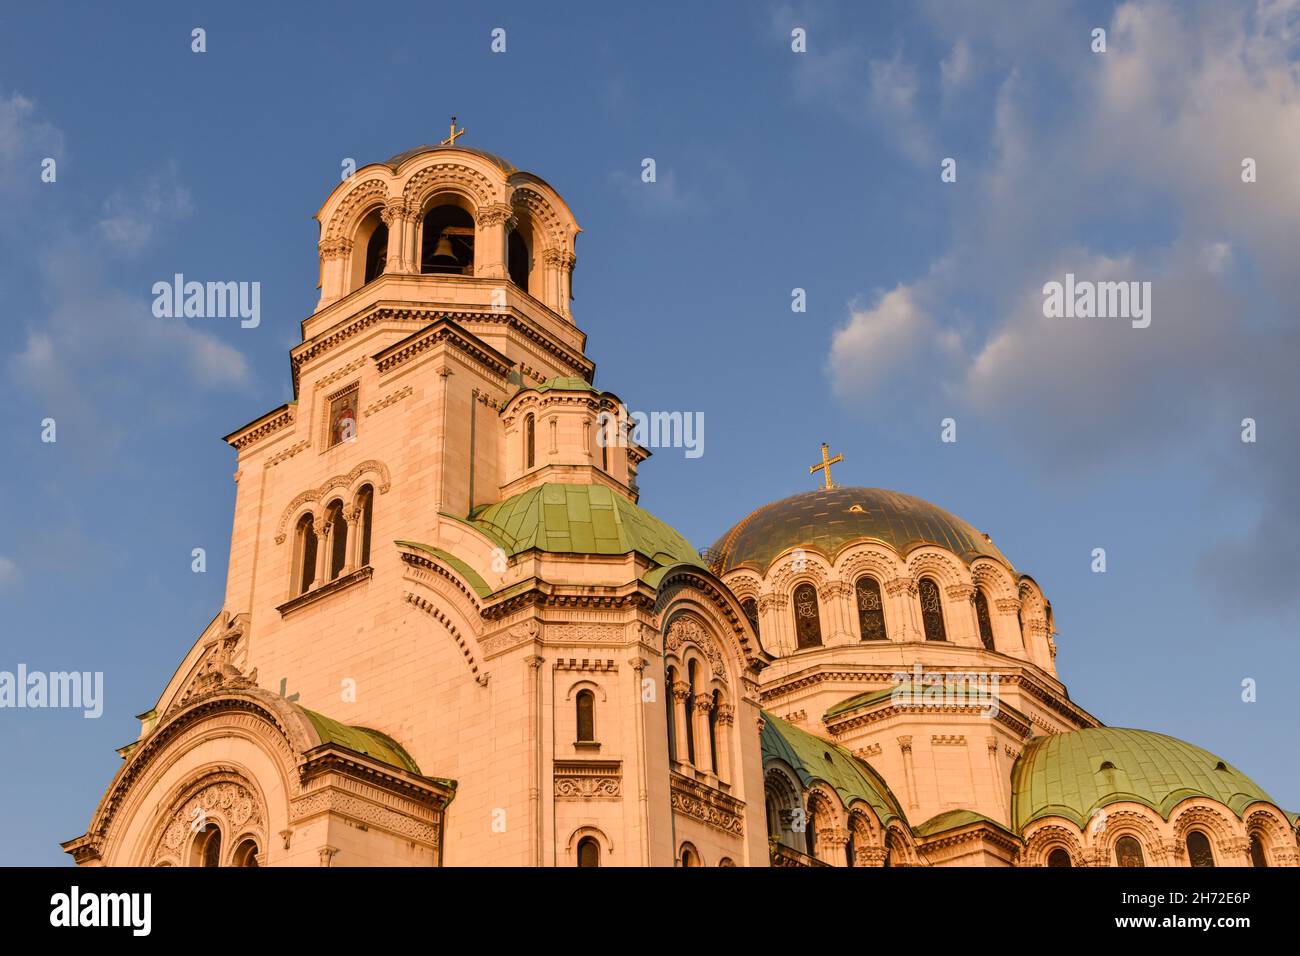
(452, 637)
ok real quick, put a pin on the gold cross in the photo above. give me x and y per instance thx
(451, 140)
(825, 466)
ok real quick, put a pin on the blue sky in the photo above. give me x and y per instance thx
(776, 170)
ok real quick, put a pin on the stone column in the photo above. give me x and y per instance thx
(567, 262)
(902, 592)
(909, 771)
(353, 518)
(964, 625)
(1006, 627)
(703, 758)
(335, 255)
(322, 529)
(726, 717)
(869, 855)
(394, 217)
(680, 690)
(491, 249)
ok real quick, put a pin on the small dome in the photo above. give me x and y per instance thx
(827, 520)
(504, 165)
(1066, 775)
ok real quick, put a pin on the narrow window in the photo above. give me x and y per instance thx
(1059, 857)
(586, 716)
(338, 539)
(982, 617)
(376, 253)
(713, 734)
(871, 610)
(209, 846)
(1198, 849)
(1020, 626)
(520, 262)
(1257, 855)
(810, 831)
(530, 440)
(690, 713)
(889, 848)
(306, 548)
(365, 505)
(848, 849)
(688, 857)
(931, 610)
(1128, 852)
(588, 852)
(670, 700)
(246, 854)
(750, 607)
(807, 619)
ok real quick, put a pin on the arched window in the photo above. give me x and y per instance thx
(246, 854)
(1128, 852)
(1257, 855)
(338, 539)
(530, 439)
(365, 512)
(207, 846)
(376, 253)
(982, 617)
(871, 610)
(713, 733)
(807, 619)
(849, 848)
(689, 856)
(750, 607)
(305, 553)
(889, 848)
(586, 716)
(1020, 626)
(672, 716)
(1198, 849)
(690, 713)
(810, 830)
(447, 245)
(1059, 857)
(520, 262)
(931, 610)
(588, 852)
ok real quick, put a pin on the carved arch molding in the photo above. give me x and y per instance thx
(687, 630)
(318, 494)
(227, 802)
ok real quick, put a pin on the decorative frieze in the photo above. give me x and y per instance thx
(707, 805)
(585, 780)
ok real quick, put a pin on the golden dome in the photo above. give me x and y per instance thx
(827, 520)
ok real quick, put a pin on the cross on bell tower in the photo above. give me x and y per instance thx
(825, 465)
(451, 138)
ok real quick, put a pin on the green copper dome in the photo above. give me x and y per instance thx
(813, 759)
(362, 740)
(581, 519)
(827, 520)
(1073, 774)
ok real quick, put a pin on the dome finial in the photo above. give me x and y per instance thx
(827, 461)
(451, 139)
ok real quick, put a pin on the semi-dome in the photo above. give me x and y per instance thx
(1071, 775)
(826, 520)
(393, 162)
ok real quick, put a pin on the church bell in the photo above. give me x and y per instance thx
(443, 254)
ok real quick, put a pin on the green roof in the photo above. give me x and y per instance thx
(362, 740)
(1063, 775)
(480, 586)
(814, 759)
(581, 519)
(953, 819)
(566, 383)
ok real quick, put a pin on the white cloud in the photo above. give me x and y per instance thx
(130, 217)
(955, 69)
(882, 340)
(8, 570)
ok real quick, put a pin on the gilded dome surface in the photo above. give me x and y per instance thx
(826, 520)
